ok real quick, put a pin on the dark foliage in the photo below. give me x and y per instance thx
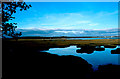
(89, 49)
(107, 72)
(116, 51)
(9, 8)
(25, 62)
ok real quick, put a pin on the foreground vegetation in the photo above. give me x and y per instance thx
(21, 59)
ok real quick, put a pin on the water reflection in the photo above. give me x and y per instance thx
(95, 55)
(99, 48)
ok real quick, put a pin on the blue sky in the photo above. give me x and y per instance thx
(68, 15)
(68, 19)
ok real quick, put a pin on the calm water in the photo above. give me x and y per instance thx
(92, 38)
(96, 58)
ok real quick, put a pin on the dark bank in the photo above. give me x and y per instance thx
(20, 61)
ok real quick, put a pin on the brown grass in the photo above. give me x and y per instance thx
(59, 42)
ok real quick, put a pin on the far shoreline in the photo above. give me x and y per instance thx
(55, 37)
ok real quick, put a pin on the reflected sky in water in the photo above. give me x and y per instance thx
(92, 38)
(96, 58)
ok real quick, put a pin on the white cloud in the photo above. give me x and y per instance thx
(69, 32)
(81, 22)
(75, 32)
(113, 13)
(100, 14)
(74, 14)
(93, 24)
(75, 21)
